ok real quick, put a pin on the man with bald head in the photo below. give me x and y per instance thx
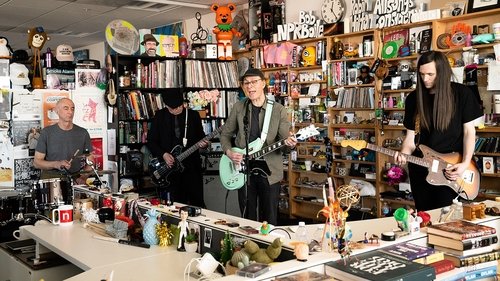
(60, 145)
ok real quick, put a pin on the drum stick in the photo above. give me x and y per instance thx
(74, 155)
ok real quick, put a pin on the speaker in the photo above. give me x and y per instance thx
(134, 162)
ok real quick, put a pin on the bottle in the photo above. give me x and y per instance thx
(301, 233)
(386, 209)
(138, 74)
(183, 47)
(48, 58)
(457, 209)
(124, 80)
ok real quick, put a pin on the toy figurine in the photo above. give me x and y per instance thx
(223, 31)
(265, 228)
(36, 39)
(183, 230)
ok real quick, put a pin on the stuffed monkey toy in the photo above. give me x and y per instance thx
(223, 30)
(36, 39)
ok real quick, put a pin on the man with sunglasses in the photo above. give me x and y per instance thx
(263, 186)
(171, 127)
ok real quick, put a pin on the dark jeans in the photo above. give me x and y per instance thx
(260, 195)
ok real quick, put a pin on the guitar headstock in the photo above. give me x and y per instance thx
(356, 144)
(307, 132)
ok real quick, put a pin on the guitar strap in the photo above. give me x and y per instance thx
(267, 120)
(185, 140)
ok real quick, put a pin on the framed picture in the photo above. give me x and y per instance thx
(456, 8)
(488, 165)
(482, 5)
(207, 238)
(86, 78)
(80, 55)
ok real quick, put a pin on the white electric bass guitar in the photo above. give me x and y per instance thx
(233, 176)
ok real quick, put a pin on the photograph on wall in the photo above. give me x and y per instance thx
(169, 45)
(87, 78)
(60, 79)
(6, 159)
(90, 111)
(80, 55)
(25, 133)
(5, 97)
(26, 105)
(24, 172)
(49, 101)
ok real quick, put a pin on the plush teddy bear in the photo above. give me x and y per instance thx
(224, 31)
(263, 255)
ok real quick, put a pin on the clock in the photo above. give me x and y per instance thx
(333, 11)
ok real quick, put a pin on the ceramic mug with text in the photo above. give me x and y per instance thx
(64, 215)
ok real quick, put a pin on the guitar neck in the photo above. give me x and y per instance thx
(268, 149)
(197, 145)
(409, 158)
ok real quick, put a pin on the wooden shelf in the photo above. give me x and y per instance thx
(351, 177)
(398, 91)
(488, 130)
(354, 161)
(496, 175)
(308, 82)
(354, 59)
(353, 126)
(397, 201)
(350, 109)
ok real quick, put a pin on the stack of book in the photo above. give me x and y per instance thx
(470, 247)
(422, 255)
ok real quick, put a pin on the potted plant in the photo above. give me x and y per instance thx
(191, 241)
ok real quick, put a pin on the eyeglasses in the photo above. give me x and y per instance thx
(251, 83)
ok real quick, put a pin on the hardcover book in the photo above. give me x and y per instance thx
(460, 261)
(461, 245)
(442, 266)
(305, 275)
(408, 251)
(460, 230)
(377, 265)
(437, 256)
(465, 253)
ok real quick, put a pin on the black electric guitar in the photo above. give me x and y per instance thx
(158, 168)
(467, 186)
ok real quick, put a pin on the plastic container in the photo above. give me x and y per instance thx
(183, 47)
(457, 208)
(301, 233)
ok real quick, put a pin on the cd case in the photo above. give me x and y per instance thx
(253, 270)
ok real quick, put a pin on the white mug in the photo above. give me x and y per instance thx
(64, 215)
(20, 234)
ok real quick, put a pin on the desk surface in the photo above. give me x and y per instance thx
(99, 258)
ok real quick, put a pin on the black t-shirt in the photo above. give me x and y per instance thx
(451, 140)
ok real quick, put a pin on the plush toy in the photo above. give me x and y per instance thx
(5, 49)
(36, 39)
(240, 259)
(223, 31)
(263, 255)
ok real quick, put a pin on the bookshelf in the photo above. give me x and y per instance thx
(138, 102)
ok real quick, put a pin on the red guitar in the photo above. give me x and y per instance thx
(466, 186)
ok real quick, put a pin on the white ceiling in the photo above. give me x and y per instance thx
(82, 22)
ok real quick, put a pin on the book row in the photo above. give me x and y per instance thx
(487, 145)
(355, 97)
(136, 105)
(211, 74)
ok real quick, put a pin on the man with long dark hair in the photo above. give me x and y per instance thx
(440, 115)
